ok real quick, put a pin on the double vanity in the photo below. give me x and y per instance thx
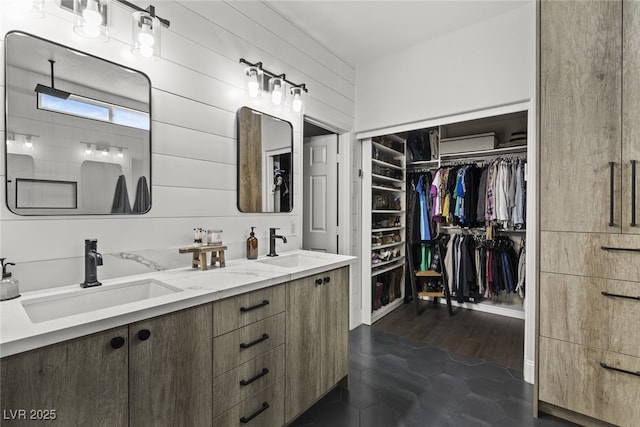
(255, 343)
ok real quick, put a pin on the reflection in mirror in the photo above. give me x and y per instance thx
(78, 137)
(265, 161)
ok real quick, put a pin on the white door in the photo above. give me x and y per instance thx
(320, 180)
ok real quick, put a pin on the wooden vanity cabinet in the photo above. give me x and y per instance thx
(151, 373)
(81, 382)
(317, 338)
(170, 369)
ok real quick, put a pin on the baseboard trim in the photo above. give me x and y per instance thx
(529, 371)
(574, 417)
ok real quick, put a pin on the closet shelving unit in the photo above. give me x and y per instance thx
(503, 125)
(384, 196)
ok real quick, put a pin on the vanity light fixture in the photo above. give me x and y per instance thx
(276, 86)
(253, 73)
(276, 89)
(28, 142)
(120, 154)
(296, 103)
(92, 19)
(88, 150)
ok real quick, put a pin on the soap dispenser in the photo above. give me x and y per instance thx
(8, 286)
(252, 245)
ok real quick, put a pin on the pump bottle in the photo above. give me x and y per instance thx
(252, 245)
(8, 287)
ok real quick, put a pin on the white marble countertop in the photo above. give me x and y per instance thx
(18, 333)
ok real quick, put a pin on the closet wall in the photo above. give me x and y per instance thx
(197, 87)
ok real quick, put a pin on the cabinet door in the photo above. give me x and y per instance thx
(170, 370)
(630, 112)
(82, 382)
(335, 327)
(580, 115)
(304, 345)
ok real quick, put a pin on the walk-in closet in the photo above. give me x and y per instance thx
(448, 205)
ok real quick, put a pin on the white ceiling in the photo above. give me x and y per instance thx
(361, 31)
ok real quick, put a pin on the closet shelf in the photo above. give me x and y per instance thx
(494, 152)
(383, 263)
(388, 150)
(377, 230)
(423, 163)
(396, 190)
(383, 163)
(374, 211)
(387, 245)
(386, 178)
(427, 273)
(386, 309)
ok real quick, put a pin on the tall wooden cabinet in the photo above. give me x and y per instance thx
(317, 337)
(588, 333)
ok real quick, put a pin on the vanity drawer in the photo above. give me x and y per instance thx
(240, 346)
(266, 407)
(574, 309)
(235, 385)
(572, 376)
(581, 254)
(242, 310)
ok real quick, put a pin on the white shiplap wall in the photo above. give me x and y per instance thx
(197, 87)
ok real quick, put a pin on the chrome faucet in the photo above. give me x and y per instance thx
(92, 259)
(272, 241)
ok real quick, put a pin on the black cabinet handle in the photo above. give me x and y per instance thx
(252, 343)
(257, 376)
(609, 294)
(613, 368)
(144, 334)
(117, 342)
(633, 193)
(327, 279)
(263, 408)
(611, 190)
(318, 282)
(253, 307)
(611, 248)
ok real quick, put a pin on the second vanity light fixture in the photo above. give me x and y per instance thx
(275, 85)
(92, 20)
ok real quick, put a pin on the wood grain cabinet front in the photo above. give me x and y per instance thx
(317, 337)
(263, 409)
(81, 382)
(151, 373)
(601, 384)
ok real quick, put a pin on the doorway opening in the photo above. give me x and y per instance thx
(321, 184)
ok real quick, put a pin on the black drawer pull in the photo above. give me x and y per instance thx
(252, 343)
(633, 193)
(610, 248)
(612, 166)
(263, 408)
(605, 366)
(257, 376)
(609, 294)
(327, 279)
(253, 307)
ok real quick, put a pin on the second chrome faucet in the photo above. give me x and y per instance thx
(272, 241)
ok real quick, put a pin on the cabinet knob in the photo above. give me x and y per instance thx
(327, 279)
(318, 282)
(117, 342)
(144, 334)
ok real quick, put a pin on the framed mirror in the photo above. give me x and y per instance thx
(78, 132)
(265, 162)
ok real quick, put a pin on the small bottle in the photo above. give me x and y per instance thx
(252, 245)
(8, 286)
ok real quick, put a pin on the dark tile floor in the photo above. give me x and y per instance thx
(398, 382)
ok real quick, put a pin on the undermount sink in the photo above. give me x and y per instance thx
(86, 300)
(289, 261)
